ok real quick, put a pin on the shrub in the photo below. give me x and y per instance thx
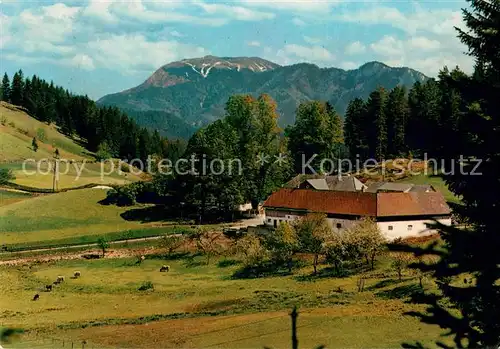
(22, 131)
(3, 120)
(128, 195)
(103, 152)
(124, 167)
(146, 285)
(6, 175)
(227, 263)
(40, 135)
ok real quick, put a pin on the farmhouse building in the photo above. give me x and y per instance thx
(399, 212)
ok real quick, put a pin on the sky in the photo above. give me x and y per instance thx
(97, 47)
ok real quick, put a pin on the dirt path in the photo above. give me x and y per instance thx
(119, 253)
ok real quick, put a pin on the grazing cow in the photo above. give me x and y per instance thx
(60, 279)
(165, 268)
(36, 297)
(77, 274)
(48, 288)
(56, 282)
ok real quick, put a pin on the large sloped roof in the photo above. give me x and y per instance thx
(381, 204)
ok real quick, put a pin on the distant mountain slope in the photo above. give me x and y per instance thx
(193, 92)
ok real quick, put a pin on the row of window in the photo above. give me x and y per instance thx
(338, 225)
(410, 227)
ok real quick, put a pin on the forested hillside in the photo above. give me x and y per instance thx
(105, 130)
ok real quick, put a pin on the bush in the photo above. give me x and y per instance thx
(103, 152)
(227, 263)
(3, 120)
(130, 194)
(40, 135)
(6, 175)
(22, 131)
(124, 167)
(146, 285)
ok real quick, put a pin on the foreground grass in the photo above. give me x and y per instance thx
(8, 197)
(199, 305)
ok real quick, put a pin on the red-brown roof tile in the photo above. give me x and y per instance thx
(411, 204)
(325, 201)
(360, 203)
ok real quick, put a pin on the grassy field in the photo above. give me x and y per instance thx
(16, 134)
(8, 197)
(68, 215)
(199, 305)
(20, 128)
(71, 175)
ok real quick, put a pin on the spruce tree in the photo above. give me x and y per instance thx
(17, 89)
(34, 144)
(355, 129)
(397, 115)
(470, 311)
(5, 88)
(377, 139)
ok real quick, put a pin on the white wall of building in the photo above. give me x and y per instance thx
(391, 229)
(337, 224)
(403, 229)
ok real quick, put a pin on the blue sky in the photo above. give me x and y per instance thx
(98, 47)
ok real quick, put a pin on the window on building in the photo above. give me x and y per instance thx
(269, 220)
(390, 227)
(410, 227)
(339, 225)
(275, 223)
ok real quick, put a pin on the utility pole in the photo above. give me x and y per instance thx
(55, 179)
(294, 314)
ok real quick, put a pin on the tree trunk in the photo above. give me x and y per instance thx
(373, 261)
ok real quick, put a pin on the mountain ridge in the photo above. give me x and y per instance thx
(193, 91)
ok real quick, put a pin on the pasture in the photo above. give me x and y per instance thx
(199, 305)
(67, 215)
(17, 130)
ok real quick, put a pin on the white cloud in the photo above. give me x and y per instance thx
(423, 43)
(100, 10)
(440, 22)
(236, 12)
(388, 46)
(421, 53)
(355, 48)
(299, 6)
(299, 22)
(132, 53)
(426, 40)
(347, 65)
(83, 61)
(293, 53)
(49, 23)
(311, 40)
(176, 34)
(253, 43)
